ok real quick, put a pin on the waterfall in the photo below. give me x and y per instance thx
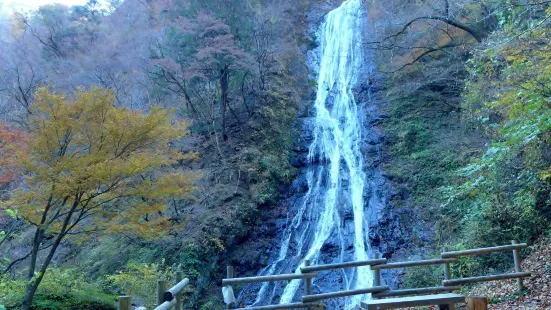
(336, 179)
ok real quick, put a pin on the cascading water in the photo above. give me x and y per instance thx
(331, 214)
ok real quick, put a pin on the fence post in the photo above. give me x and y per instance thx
(476, 303)
(308, 281)
(447, 269)
(447, 276)
(125, 302)
(516, 257)
(229, 275)
(376, 276)
(179, 296)
(161, 289)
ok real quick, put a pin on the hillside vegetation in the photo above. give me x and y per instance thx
(140, 138)
(467, 89)
(145, 137)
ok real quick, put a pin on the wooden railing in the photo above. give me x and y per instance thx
(230, 280)
(414, 291)
(171, 298)
(518, 274)
(307, 273)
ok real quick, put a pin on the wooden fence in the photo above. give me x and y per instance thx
(167, 298)
(308, 273)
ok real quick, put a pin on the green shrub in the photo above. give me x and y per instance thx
(140, 281)
(61, 289)
(426, 276)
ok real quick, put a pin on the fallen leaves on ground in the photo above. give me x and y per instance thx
(504, 295)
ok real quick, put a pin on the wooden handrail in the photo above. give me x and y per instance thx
(505, 276)
(173, 296)
(308, 272)
(175, 290)
(504, 248)
(281, 277)
(415, 263)
(371, 262)
(317, 297)
(297, 305)
(416, 291)
(167, 305)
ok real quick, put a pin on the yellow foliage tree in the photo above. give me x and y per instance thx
(94, 168)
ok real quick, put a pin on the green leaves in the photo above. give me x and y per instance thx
(11, 213)
(503, 190)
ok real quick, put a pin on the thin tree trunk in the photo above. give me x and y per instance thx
(33, 284)
(249, 112)
(34, 253)
(224, 87)
(38, 236)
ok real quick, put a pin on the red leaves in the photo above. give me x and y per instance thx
(214, 48)
(210, 26)
(13, 143)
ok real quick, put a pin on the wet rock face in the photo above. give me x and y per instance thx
(386, 234)
(301, 148)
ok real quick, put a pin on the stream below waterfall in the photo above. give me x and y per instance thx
(329, 218)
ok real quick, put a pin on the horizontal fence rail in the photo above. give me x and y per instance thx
(167, 305)
(172, 298)
(371, 262)
(166, 299)
(318, 297)
(417, 291)
(415, 263)
(175, 290)
(496, 249)
(506, 276)
(379, 292)
(296, 305)
(281, 277)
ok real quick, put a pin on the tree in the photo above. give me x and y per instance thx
(436, 26)
(92, 168)
(21, 72)
(211, 54)
(13, 142)
(507, 187)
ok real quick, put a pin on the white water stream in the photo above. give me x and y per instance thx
(336, 178)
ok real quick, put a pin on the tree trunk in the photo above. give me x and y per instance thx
(32, 286)
(34, 253)
(224, 87)
(38, 236)
(30, 290)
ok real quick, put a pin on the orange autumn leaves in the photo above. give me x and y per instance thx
(101, 168)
